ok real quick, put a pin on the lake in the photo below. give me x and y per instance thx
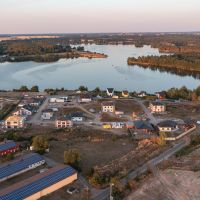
(110, 72)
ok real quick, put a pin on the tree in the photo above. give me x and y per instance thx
(72, 157)
(35, 89)
(24, 88)
(40, 143)
(83, 88)
(97, 90)
(161, 140)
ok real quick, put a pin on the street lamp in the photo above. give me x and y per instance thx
(111, 186)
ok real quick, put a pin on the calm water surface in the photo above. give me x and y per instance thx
(110, 72)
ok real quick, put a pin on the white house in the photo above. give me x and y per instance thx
(77, 117)
(47, 114)
(63, 123)
(110, 92)
(85, 98)
(58, 99)
(108, 106)
(167, 126)
(13, 122)
(157, 107)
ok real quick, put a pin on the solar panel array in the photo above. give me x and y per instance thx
(39, 184)
(19, 165)
(7, 145)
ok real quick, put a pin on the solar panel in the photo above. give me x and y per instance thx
(7, 145)
(39, 184)
(17, 166)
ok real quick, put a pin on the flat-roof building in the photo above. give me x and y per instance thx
(40, 185)
(19, 166)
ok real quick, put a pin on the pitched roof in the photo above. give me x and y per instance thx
(18, 165)
(143, 125)
(7, 145)
(14, 118)
(107, 103)
(47, 111)
(157, 103)
(110, 90)
(36, 183)
(167, 123)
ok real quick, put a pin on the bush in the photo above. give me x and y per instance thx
(72, 157)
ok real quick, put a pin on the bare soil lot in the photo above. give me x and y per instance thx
(107, 117)
(92, 152)
(183, 111)
(170, 185)
(128, 106)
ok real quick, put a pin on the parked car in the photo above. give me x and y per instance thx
(72, 190)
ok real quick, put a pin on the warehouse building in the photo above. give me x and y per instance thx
(8, 147)
(41, 184)
(19, 166)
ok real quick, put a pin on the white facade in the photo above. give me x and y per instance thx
(47, 115)
(157, 108)
(108, 108)
(77, 119)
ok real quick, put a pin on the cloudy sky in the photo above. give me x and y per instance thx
(70, 16)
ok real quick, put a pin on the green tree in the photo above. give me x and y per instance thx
(72, 157)
(35, 89)
(23, 88)
(40, 143)
(83, 88)
(97, 90)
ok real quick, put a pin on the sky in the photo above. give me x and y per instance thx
(92, 16)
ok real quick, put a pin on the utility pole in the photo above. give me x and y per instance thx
(111, 186)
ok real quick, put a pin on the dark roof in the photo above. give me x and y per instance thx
(143, 125)
(47, 111)
(76, 114)
(107, 103)
(85, 96)
(167, 123)
(7, 145)
(18, 165)
(28, 107)
(36, 183)
(157, 103)
(110, 90)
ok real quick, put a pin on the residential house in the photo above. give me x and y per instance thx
(47, 114)
(8, 147)
(117, 125)
(108, 106)
(14, 122)
(110, 92)
(58, 99)
(142, 94)
(157, 107)
(143, 126)
(125, 93)
(84, 98)
(167, 126)
(161, 95)
(25, 110)
(75, 117)
(63, 123)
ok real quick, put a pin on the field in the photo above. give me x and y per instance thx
(170, 185)
(94, 150)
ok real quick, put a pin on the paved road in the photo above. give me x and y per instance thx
(104, 195)
(147, 112)
(36, 118)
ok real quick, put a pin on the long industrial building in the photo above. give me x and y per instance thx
(40, 184)
(19, 166)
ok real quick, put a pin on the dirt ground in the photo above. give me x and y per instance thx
(108, 117)
(170, 185)
(184, 111)
(128, 106)
(92, 153)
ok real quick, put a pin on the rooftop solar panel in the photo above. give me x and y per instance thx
(39, 184)
(19, 165)
(7, 145)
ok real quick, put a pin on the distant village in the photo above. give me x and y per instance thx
(144, 118)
